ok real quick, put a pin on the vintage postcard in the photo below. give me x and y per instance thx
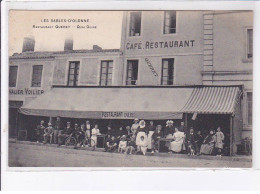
(161, 88)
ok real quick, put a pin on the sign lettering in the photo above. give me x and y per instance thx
(25, 91)
(160, 44)
(117, 115)
(151, 67)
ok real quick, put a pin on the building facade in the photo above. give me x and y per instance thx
(191, 48)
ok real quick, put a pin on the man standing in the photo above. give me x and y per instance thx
(182, 127)
(39, 131)
(48, 133)
(58, 127)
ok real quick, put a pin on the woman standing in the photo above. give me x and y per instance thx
(150, 131)
(135, 126)
(95, 132)
(141, 132)
(208, 143)
(219, 141)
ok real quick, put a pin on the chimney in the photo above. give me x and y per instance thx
(97, 48)
(68, 46)
(28, 44)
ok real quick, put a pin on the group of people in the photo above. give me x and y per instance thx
(137, 138)
(57, 133)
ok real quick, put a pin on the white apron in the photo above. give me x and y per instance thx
(149, 139)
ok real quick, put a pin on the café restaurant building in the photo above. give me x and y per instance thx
(170, 66)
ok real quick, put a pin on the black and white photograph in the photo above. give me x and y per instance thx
(161, 88)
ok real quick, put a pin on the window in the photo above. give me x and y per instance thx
(249, 43)
(73, 73)
(135, 24)
(249, 108)
(132, 72)
(167, 72)
(169, 22)
(106, 73)
(37, 76)
(12, 76)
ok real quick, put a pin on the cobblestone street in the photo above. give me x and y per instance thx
(30, 155)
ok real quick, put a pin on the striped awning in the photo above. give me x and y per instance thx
(212, 100)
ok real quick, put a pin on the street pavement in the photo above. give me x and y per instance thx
(31, 155)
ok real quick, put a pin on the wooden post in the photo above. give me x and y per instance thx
(231, 135)
(185, 122)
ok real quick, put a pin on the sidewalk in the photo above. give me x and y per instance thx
(241, 158)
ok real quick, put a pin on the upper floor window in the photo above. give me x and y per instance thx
(106, 73)
(169, 22)
(249, 43)
(167, 72)
(132, 72)
(249, 108)
(13, 76)
(73, 73)
(37, 76)
(135, 24)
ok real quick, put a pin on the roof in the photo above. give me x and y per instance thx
(52, 54)
(217, 100)
(141, 102)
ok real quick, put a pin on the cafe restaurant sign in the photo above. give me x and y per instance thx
(117, 115)
(25, 91)
(159, 44)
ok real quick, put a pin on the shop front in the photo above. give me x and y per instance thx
(201, 107)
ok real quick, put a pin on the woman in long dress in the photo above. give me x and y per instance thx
(141, 131)
(176, 145)
(134, 127)
(219, 141)
(208, 144)
(150, 131)
(95, 132)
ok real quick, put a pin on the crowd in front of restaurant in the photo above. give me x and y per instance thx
(136, 139)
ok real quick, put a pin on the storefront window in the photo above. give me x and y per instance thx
(167, 72)
(106, 73)
(73, 73)
(135, 24)
(13, 76)
(169, 22)
(37, 76)
(132, 72)
(249, 43)
(249, 108)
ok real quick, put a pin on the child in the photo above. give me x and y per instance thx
(111, 144)
(122, 144)
(130, 145)
(142, 147)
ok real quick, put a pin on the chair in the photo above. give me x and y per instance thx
(22, 135)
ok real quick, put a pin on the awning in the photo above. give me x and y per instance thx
(212, 100)
(111, 102)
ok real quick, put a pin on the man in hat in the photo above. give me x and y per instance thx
(182, 127)
(58, 127)
(48, 133)
(68, 130)
(39, 131)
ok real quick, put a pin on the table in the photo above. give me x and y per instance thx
(101, 140)
(161, 144)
